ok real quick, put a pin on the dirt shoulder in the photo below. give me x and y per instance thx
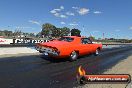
(17, 51)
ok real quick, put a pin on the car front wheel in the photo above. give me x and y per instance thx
(96, 52)
(73, 56)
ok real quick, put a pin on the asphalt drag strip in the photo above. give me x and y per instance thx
(38, 71)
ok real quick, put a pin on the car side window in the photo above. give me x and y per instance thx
(85, 41)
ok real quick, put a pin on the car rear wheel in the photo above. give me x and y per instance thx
(96, 52)
(73, 56)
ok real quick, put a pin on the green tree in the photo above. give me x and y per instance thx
(48, 29)
(56, 32)
(2, 33)
(32, 34)
(92, 38)
(64, 31)
(75, 32)
(38, 35)
(7, 33)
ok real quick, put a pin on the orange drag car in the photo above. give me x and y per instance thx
(69, 47)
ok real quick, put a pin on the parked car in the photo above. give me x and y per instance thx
(69, 47)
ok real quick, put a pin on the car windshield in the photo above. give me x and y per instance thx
(68, 39)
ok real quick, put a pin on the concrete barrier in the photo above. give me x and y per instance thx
(20, 41)
(5, 41)
(29, 42)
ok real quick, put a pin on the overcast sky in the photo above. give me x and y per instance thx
(95, 17)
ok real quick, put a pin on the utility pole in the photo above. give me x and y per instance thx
(103, 36)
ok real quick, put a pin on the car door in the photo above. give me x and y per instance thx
(90, 46)
(86, 46)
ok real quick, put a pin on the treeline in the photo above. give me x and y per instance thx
(48, 30)
(16, 33)
(115, 40)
